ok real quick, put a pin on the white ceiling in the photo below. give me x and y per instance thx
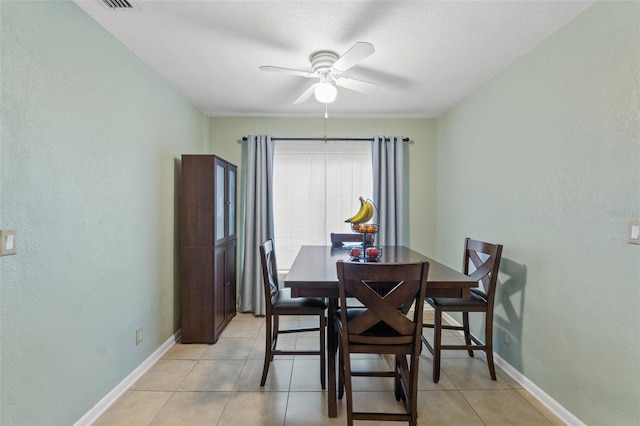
(429, 54)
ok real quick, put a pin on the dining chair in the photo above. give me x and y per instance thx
(280, 303)
(338, 239)
(382, 326)
(485, 259)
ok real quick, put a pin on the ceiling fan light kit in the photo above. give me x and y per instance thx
(327, 67)
(325, 92)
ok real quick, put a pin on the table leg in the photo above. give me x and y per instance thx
(332, 348)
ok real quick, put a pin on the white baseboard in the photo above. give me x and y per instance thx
(92, 415)
(550, 403)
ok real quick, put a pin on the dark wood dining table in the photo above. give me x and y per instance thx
(313, 274)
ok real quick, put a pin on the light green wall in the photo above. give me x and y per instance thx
(545, 159)
(90, 139)
(226, 135)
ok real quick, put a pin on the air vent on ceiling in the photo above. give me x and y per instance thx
(121, 5)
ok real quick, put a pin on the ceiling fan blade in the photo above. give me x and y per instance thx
(357, 85)
(358, 52)
(287, 71)
(306, 94)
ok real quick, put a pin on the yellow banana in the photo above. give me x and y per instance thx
(357, 218)
(364, 214)
(369, 214)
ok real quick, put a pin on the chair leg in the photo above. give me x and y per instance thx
(413, 389)
(267, 350)
(340, 372)
(407, 384)
(347, 384)
(323, 363)
(398, 378)
(275, 333)
(488, 341)
(465, 326)
(408, 368)
(437, 342)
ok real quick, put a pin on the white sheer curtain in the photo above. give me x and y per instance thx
(258, 221)
(388, 188)
(316, 187)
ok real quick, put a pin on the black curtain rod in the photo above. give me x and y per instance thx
(244, 138)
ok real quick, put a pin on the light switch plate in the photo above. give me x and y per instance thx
(8, 240)
(634, 231)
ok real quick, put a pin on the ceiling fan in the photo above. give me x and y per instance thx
(327, 67)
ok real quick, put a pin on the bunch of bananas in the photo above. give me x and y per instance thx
(364, 214)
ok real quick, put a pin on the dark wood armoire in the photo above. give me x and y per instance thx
(207, 246)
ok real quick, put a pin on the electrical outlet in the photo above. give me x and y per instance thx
(138, 336)
(506, 338)
(8, 241)
(634, 231)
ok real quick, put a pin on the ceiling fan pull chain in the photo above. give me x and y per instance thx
(326, 115)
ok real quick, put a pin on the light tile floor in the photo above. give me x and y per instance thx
(219, 384)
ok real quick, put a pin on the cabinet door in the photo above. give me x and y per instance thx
(197, 294)
(230, 286)
(221, 206)
(197, 201)
(225, 176)
(219, 288)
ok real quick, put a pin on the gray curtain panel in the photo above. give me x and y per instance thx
(388, 188)
(258, 221)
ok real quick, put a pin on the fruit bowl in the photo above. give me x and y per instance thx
(364, 228)
(370, 254)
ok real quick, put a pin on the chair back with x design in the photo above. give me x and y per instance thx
(481, 261)
(383, 325)
(485, 258)
(386, 291)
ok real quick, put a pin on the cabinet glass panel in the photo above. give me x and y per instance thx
(232, 202)
(220, 184)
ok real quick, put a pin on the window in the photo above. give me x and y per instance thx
(316, 187)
